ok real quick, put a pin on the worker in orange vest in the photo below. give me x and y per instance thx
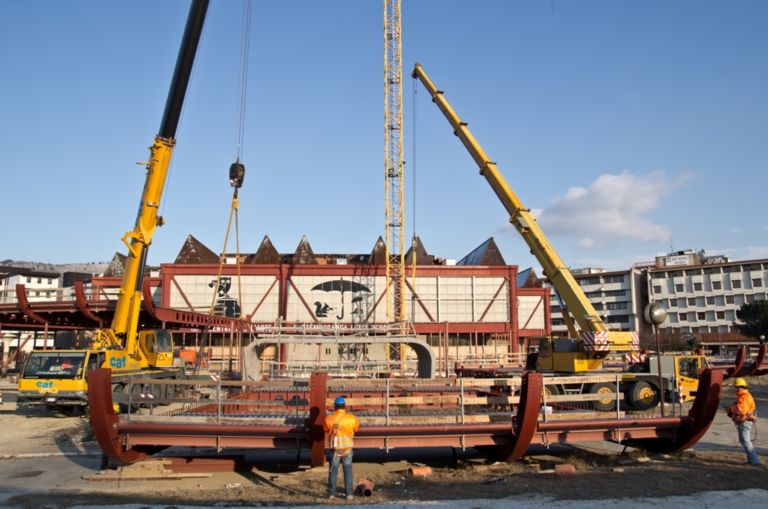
(341, 427)
(742, 413)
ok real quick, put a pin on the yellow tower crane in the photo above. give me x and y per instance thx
(393, 164)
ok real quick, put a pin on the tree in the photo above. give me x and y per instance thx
(754, 318)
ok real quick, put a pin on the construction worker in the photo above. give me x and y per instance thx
(341, 427)
(742, 413)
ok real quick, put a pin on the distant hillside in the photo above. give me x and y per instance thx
(89, 268)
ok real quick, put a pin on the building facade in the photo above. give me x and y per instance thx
(701, 295)
(40, 285)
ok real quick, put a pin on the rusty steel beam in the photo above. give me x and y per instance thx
(81, 303)
(738, 368)
(760, 366)
(104, 420)
(130, 441)
(318, 394)
(699, 418)
(24, 305)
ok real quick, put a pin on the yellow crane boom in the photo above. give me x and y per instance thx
(586, 350)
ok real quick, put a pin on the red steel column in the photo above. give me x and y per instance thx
(318, 393)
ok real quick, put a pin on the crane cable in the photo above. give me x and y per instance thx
(413, 173)
(237, 169)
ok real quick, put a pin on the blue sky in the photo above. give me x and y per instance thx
(628, 127)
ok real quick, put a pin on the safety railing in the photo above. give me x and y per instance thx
(379, 401)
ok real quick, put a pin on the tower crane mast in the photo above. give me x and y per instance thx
(393, 163)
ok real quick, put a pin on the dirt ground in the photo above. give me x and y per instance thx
(45, 462)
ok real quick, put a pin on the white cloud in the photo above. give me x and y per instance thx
(611, 208)
(737, 230)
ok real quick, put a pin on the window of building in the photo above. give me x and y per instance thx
(679, 288)
(747, 299)
(712, 270)
(681, 303)
(710, 301)
(691, 317)
(697, 287)
(673, 303)
(656, 288)
(29, 279)
(701, 316)
(676, 273)
(729, 299)
(736, 283)
(681, 317)
(590, 281)
(717, 285)
(616, 305)
(50, 281)
(618, 278)
(39, 280)
(729, 315)
(720, 315)
(757, 282)
(758, 296)
(617, 319)
(691, 301)
(703, 330)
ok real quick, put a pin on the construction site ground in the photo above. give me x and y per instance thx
(52, 461)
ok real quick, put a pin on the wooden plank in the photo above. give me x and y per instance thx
(561, 398)
(422, 419)
(581, 379)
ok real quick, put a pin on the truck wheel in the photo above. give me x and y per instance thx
(607, 392)
(136, 400)
(642, 396)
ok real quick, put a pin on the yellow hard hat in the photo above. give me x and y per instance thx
(739, 382)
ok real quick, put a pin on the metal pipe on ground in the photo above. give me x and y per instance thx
(365, 487)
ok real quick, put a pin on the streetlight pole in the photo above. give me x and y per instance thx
(655, 314)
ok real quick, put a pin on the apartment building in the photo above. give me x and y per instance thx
(40, 285)
(702, 294)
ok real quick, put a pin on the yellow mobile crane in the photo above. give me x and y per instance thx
(593, 341)
(582, 352)
(57, 378)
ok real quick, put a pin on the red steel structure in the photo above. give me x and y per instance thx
(126, 442)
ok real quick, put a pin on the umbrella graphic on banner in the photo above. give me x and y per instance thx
(341, 285)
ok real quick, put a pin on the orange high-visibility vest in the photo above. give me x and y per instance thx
(744, 408)
(341, 427)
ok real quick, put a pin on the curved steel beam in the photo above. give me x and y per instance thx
(524, 422)
(757, 368)
(81, 303)
(699, 418)
(24, 306)
(738, 367)
(104, 421)
(761, 369)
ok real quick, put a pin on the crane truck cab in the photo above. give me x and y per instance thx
(57, 379)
